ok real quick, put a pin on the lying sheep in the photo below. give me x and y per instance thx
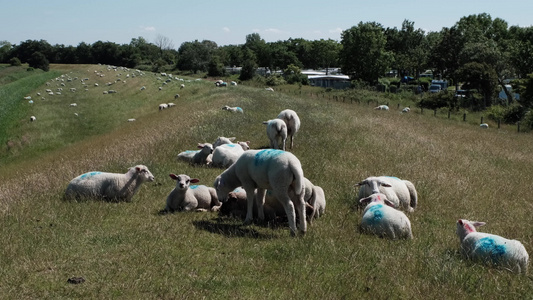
(292, 121)
(170, 104)
(201, 157)
(163, 106)
(176, 96)
(236, 206)
(491, 249)
(187, 197)
(109, 186)
(484, 125)
(401, 193)
(276, 170)
(276, 130)
(225, 155)
(33, 118)
(382, 219)
(381, 107)
(233, 109)
(222, 140)
(406, 109)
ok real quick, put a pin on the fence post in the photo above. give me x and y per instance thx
(434, 112)
(464, 117)
(481, 120)
(518, 126)
(448, 114)
(498, 123)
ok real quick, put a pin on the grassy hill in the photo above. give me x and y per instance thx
(129, 251)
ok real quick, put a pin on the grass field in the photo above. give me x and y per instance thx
(129, 251)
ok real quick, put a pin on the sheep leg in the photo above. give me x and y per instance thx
(289, 211)
(300, 207)
(284, 140)
(260, 201)
(250, 205)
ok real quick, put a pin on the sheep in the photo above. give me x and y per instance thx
(484, 125)
(170, 104)
(182, 86)
(269, 89)
(233, 83)
(382, 219)
(176, 96)
(276, 130)
(276, 170)
(490, 248)
(292, 121)
(201, 157)
(225, 155)
(109, 186)
(163, 106)
(27, 98)
(406, 109)
(33, 118)
(381, 107)
(131, 120)
(402, 193)
(143, 88)
(222, 140)
(233, 109)
(73, 104)
(186, 197)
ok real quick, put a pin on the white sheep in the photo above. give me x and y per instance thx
(276, 170)
(269, 89)
(293, 123)
(406, 109)
(143, 88)
(490, 248)
(27, 98)
(33, 118)
(176, 96)
(170, 104)
(484, 125)
(73, 104)
(233, 83)
(400, 192)
(381, 107)
(276, 130)
(225, 155)
(382, 219)
(222, 140)
(187, 197)
(201, 157)
(233, 109)
(163, 106)
(131, 120)
(182, 86)
(109, 186)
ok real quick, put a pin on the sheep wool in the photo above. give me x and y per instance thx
(381, 219)
(187, 197)
(402, 193)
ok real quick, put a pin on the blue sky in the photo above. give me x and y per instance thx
(227, 22)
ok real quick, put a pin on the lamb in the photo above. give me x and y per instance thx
(233, 83)
(382, 219)
(484, 125)
(131, 120)
(233, 109)
(225, 155)
(276, 130)
(292, 121)
(276, 170)
(402, 193)
(381, 107)
(491, 249)
(109, 186)
(186, 197)
(200, 157)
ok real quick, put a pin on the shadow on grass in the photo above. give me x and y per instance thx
(218, 226)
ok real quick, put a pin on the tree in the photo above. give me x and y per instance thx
(363, 53)
(39, 61)
(163, 43)
(409, 48)
(325, 53)
(5, 49)
(479, 76)
(195, 56)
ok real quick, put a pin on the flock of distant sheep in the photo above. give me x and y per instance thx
(267, 184)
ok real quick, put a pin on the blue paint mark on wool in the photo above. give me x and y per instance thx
(376, 213)
(489, 245)
(237, 190)
(239, 109)
(230, 145)
(192, 187)
(263, 156)
(393, 177)
(191, 151)
(90, 174)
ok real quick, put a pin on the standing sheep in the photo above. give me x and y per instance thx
(490, 248)
(109, 186)
(276, 130)
(401, 193)
(187, 197)
(225, 155)
(382, 219)
(276, 170)
(292, 121)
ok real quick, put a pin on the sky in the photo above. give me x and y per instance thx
(228, 22)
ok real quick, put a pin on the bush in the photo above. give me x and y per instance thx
(437, 100)
(528, 120)
(15, 62)
(514, 113)
(275, 80)
(39, 61)
(495, 112)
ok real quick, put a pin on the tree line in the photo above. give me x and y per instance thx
(478, 52)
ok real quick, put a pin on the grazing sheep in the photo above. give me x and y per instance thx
(484, 125)
(109, 186)
(402, 193)
(276, 170)
(233, 109)
(27, 98)
(382, 107)
(33, 118)
(293, 123)
(225, 155)
(490, 248)
(382, 219)
(163, 106)
(187, 197)
(276, 130)
(222, 140)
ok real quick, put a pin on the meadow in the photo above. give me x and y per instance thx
(130, 251)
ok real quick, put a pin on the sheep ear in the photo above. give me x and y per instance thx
(173, 176)
(200, 146)
(365, 200)
(232, 138)
(265, 122)
(478, 224)
(194, 180)
(385, 184)
(389, 203)
(138, 169)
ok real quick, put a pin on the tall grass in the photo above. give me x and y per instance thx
(128, 251)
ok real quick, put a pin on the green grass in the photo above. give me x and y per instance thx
(128, 251)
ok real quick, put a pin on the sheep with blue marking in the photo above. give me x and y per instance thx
(382, 219)
(277, 170)
(233, 109)
(109, 186)
(198, 157)
(292, 121)
(490, 248)
(225, 155)
(402, 193)
(187, 197)
(277, 133)
(221, 140)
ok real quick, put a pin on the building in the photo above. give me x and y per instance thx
(330, 81)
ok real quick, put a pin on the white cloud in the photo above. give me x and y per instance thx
(226, 29)
(336, 30)
(148, 28)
